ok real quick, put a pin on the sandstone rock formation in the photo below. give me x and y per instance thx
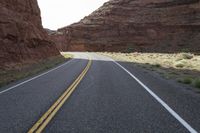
(137, 25)
(22, 38)
(58, 38)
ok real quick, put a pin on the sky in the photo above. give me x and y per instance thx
(59, 13)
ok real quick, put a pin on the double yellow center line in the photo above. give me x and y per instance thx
(40, 125)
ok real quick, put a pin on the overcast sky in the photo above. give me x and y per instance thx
(60, 13)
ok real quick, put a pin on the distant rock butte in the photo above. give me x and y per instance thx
(136, 25)
(22, 38)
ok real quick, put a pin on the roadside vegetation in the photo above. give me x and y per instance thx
(22, 71)
(182, 67)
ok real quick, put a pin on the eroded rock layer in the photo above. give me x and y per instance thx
(22, 38)
(137, 25)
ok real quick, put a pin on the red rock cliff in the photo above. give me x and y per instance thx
(138, 25)
(22, 37)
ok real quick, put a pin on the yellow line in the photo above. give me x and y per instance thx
(39, 126)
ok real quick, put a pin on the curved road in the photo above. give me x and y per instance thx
(111, 98)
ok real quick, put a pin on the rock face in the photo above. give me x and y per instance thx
(58, 38)
(137, 25)
(22, 38)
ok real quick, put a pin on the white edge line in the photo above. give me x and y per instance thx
(170, 110)
(1, 92)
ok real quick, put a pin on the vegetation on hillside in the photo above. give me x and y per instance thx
(20, 71)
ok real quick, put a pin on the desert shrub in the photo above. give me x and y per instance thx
(129, 48)
(197, 82)
(185, 80)
(179, 64)
(186, 56)
(156, 65)
(185, 50)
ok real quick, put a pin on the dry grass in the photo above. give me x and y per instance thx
(66, 55)
(20, 71)
(183, 67)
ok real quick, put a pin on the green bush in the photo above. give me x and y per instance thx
(185, 80)
(156, 65)
(197, 83)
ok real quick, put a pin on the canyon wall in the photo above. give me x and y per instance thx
(137, 25)
(22, 38)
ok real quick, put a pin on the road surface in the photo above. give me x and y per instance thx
(105, 97)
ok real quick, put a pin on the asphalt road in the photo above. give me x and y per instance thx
(110, 99)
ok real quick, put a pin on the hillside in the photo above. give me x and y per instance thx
(22, 38)
(139, 25)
